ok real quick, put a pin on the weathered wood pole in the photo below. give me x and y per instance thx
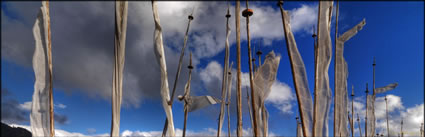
(238, 74)
(247, 13)
(190, 17)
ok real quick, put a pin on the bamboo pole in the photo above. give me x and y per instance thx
(50, 61)
(238, 74)
(246, 13)
(336, 109)
(190, 17)
(190, 67)
(358, 121)
(386, 111)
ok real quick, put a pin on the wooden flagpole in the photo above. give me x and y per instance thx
(190, 17)
(358, 121)
(190, 67)
(238, 75)
(49, 52)
(367, 91)
(246, 13)
(386, 111)
(249, 106)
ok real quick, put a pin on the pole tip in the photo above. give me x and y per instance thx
(279, 3)
(247, 12)
(259, 52)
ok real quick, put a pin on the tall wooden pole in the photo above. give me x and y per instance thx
(246, 13)
(49, 52)
(358, 121)
(367, 91)
(238, 75)
(249, 106)
(401, 129)
(350, 120)
(386, 110)
(190, 17)
(187, 94)
(229, 92)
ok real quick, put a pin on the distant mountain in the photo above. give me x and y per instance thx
(8, 131)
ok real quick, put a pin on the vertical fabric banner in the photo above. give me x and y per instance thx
(160, 58)
(40, 115)
(299, 75)
(299, 130)
(341, 74)
(224, 80)
(323, 95)
(264, 78)
(370, 115)
(121, 8)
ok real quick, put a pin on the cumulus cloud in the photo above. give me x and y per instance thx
(82, 40)
(412, 116)
(281, 96)
(14, 112)
(138, 133)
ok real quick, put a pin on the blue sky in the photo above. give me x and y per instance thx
(393, 34)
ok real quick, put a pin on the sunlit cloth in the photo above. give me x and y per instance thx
(264, 78)
(370, 115)
(299, 130)
(341, 74)
(323, 94)
(40, 116)
(121, 8)
(386, 88)
(299, 76)
(198, 102)
(160, 58)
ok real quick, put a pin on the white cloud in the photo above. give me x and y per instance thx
(394, 103)
(94, 51)
(62, 133)
(281, 96)
(138, 133)
(412, 116)
(26, 106)
(61, 106)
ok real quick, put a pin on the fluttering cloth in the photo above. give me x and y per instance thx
(341, 74)
(160, 58)
(40, 116)
(323, 94)
(299, 75)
